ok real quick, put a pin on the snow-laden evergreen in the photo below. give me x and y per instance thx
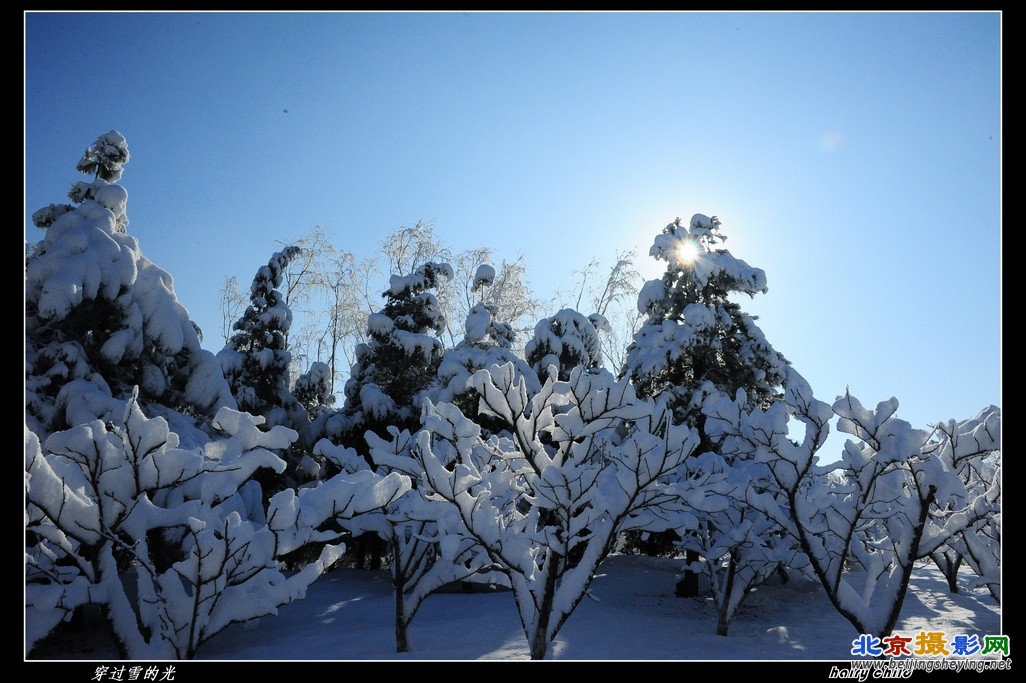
(695, 337)
(484, 276)
(565, 341)
(695, 341)
(104, 160)
(485, 343)
(106, 157)
(313, 389)
(398, 363)
(256, 359)
(101, 319)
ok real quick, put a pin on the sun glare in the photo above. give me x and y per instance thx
(687, 252)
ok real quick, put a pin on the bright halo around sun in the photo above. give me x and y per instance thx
(687, 252)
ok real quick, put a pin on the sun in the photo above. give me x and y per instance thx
(686, 252)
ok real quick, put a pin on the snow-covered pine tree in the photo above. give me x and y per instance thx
(485, 342)
(313, 389)
(696, 340)
(101, 319)
(398, 363)
(256, 359)
(256, 364)
(695, 335)
(104, 160)
(566, 340)
(392, 373)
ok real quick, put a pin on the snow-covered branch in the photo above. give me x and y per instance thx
(578, 462)
(892, 499)
(171, 542)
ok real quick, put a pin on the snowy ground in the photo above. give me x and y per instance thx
(633, 615)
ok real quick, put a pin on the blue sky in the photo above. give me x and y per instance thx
(855, 157)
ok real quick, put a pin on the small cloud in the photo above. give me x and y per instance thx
(829, 141)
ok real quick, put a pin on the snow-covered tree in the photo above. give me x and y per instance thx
(256, 359)
(104, 160)
(429, 550)
(615, 298)
(174, 544)
(864, 521)
(739, 546)
(393, 370)
(398, 363)
(485, 342)
(982, 552)
(106, 157)
(313, 389)
(566, 341)
(256, 364)
(967, 448)
(503, 289)
(579, 462)
(696, 341)
(101, 319)
(695, 338)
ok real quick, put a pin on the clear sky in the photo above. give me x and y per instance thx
(855, 157)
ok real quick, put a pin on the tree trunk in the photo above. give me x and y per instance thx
(540, 641)
(948, 563)
(401, 626)
(687, 587)
(723, 621)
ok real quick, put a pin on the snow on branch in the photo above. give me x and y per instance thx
(577, 462)
(893, 498)
(118, 515)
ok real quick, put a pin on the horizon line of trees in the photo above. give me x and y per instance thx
(162, 478)
(331, 292)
